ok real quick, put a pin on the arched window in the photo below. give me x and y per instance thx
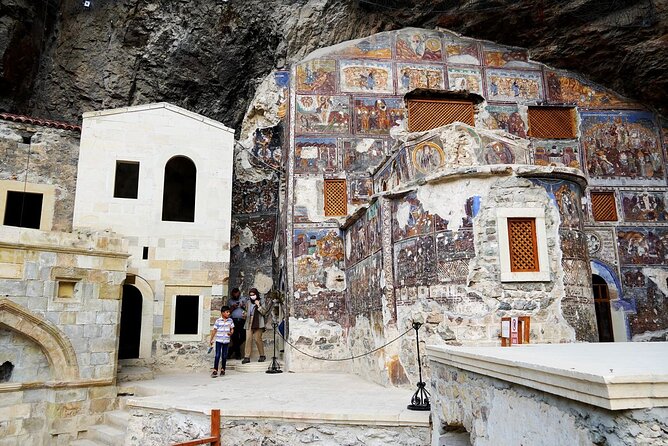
(178, 199)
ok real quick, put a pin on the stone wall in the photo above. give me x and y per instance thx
(50, 157)
(497, 412)
(152, 427)
(63, 347)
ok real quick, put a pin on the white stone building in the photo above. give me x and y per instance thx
(161, 177)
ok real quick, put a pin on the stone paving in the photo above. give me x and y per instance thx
(313, 397)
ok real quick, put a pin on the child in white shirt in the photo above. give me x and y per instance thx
(222, 331)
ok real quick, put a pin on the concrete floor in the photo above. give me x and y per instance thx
(314, 397)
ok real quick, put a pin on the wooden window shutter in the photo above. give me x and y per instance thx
(336, 198)
(603, 206)
(552, 122)
(522, 245)
(427, 114)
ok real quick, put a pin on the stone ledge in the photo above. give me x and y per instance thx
(613, 376)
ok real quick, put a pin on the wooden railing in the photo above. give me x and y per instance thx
(214, 439)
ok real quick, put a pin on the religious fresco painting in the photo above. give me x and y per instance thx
(506, 118)
(427, 157)
(412, 76)
(375, 116)
(556, 153)
(646, 301)
(567, 196)
(567, 88)
(314, 251)
(621, 146)
(461, 51)
(364, 235)
(282, 79)
(317, 76)
(409, 219)
(258, 197)
(504, 57)
(364, 285)
(268, 145)
(514, 85)
(468, 79)
(644, 206)
(419, 45)
(359, 154)
(322, 114)
(313, 155)
(361, 189)
(378, 46)
(415, 261)
(643, 246)
(366, 77)
(497, 152)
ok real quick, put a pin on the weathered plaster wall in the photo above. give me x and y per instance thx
(63, 348)
(158, 427)
(49, 159)
(344, 102)
(494, 412)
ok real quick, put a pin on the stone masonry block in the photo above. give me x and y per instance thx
(100, 358)
(31, 271)
(106, 317)
(86, 317)
(69, 395)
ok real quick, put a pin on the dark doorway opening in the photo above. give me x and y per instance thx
(131, 311)
(602, 306)
(23, 209)
(178, 199)
(186, 315)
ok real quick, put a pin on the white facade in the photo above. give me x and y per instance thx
(169, 258)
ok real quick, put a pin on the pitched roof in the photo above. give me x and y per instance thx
(43, 122)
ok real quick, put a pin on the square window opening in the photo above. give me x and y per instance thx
(186, 315)
(23, 209)
(126, 182)
(552, 122)
(603, 206)
(66, 289)
(427, 114)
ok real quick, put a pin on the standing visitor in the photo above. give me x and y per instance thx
(237, 304)
(256, 313)
(222, 330)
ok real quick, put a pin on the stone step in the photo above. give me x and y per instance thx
(117, 418)
(254, 366)
(136, 362)
(134, 373)
(85, 442)
(107, 435)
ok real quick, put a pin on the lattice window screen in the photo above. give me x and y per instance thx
(336, 199)
(522, 243)
(427, 114)
(603, 206)
(552, 122)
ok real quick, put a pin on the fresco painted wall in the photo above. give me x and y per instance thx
(348, 97)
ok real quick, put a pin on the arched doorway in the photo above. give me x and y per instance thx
(131, 315)
(178, 199)
(602, 306)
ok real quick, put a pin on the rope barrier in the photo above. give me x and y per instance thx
(346, 359)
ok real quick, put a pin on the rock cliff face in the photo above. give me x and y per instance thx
(60, 58)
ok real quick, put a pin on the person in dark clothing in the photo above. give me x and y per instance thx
(237, 304)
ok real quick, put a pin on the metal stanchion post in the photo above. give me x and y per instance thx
(275, 367)
(420, 399)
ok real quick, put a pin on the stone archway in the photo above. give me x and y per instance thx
(57, 348)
